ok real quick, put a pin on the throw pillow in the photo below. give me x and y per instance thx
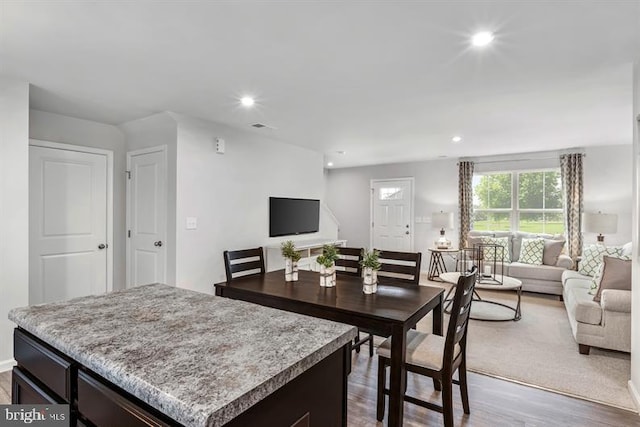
(592, 257)
(616, 274)
(552, 250)
(531, 251)
(595, 282)
(491, 254)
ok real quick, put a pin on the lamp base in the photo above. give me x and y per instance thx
(443, 243)
(600, 238)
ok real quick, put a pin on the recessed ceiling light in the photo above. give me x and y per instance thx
(330, 164)
(247, 101)
(456, 139)
(482, 38)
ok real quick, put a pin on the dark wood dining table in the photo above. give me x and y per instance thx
(392, 311)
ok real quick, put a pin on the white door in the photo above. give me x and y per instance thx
(391, 213)
(147, 215)
(67, 224)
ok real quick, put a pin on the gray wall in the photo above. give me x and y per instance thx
(14, 208)
(607, 178)
(70, 130)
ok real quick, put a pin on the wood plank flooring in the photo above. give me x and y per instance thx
(494, 403)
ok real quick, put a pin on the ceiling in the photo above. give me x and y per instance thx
(382, 81)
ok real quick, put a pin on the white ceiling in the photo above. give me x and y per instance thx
(383, 81)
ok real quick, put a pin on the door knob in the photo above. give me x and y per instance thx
(406, 232)
(158, 243)
(102, 246)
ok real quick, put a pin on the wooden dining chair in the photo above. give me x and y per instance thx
(400, 267)
(348, 263)
(245, 262)
(435, 356)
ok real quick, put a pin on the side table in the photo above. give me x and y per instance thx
(436, 263)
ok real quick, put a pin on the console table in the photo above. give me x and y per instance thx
(309, 249)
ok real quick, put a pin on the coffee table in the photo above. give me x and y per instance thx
(508, 284)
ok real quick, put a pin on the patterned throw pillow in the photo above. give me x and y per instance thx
(592, 258)
(490, 253)
(531, 251)
(595, 282)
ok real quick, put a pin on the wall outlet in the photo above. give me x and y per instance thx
(220, 145)
(192, 223)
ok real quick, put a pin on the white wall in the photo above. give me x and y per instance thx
(14, 208)
(228, 194)
(70, 130)
(607, 172)
(156, 130)
(634, 383)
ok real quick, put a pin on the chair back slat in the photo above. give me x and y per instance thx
(243, 262)
(460, 312)
(348, 262)
(399, 267)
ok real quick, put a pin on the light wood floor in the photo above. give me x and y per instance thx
(494, 403)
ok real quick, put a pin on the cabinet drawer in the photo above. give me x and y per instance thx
(26, 390)
(103, 405)
(51, 368)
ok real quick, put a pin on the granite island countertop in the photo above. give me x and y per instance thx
(200, 359)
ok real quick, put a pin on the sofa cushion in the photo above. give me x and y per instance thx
(531, 251)
(581, 304)
(552, 250)
(519, 235)
(541, 272)
(592, 257)
(576, 278)
(595, 282)
(491, 254)
(627, 249)
(616, 274)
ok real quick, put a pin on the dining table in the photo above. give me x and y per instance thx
(390, 312)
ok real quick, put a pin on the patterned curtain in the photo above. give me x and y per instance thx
(465, 200)
(571, 171)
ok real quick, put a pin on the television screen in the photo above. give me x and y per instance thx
(293, 216)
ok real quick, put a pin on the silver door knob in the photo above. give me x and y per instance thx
(158, 243)
(102, 246)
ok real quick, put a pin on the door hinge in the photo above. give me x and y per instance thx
(128, 174)
(129, 233)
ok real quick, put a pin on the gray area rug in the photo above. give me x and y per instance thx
(539, 350)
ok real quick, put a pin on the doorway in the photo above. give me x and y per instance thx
(146, 216)
(70, 221)
(392, 214)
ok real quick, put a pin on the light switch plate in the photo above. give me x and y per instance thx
(192, 223)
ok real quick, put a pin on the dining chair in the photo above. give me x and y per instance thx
(435, 356)
(348, 264)
(399, 267)
(245, 262)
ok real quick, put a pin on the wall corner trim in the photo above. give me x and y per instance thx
(633, 391)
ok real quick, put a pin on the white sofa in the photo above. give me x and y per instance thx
(545, 279)
(604, 324)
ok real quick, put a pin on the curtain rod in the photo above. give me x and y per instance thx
(516, 160)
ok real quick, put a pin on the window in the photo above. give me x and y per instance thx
(527, 201)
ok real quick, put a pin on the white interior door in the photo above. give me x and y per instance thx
(147, 214)
(391, 213)
(68, 196)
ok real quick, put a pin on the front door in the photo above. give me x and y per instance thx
(147, 213)
(391, 213)
(67, 224)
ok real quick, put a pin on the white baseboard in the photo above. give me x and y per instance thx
(634, 394)
(6, 365)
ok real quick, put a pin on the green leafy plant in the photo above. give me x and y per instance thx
(370, 259)
(324, 261)
(330, 252)
(289, 251)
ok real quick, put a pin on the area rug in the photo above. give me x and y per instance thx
(539, 350)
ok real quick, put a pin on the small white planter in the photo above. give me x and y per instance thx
(369, 280)
(290, 270)
(327, 276)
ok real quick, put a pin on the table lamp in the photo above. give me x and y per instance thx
(599, 223)
(442, 220)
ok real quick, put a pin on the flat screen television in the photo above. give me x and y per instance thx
(293, 216)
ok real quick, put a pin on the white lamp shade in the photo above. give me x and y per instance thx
(442, 220)
(599, 223)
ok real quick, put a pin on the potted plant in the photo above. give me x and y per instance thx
(327, 265)
(370, 265)
(291, 257)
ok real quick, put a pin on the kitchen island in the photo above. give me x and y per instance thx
(159, 355)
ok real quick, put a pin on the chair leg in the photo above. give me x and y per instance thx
(447, 401)
(370, 345)
(464, 393)
(437, 385)
(382, 383)
(355, 340)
